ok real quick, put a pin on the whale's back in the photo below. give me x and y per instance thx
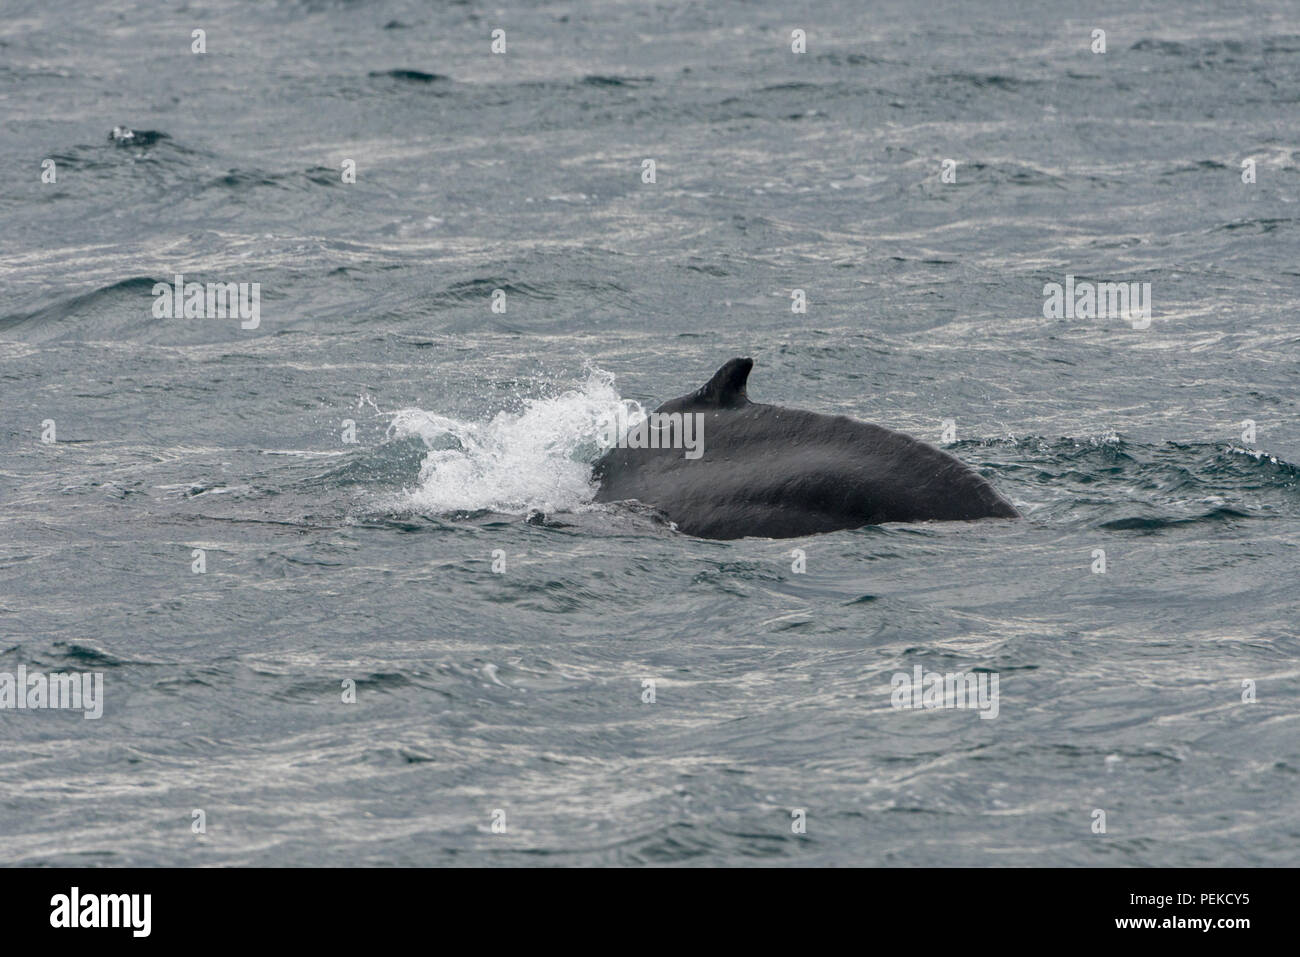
(776, 472)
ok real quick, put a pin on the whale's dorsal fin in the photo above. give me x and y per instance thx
(726, 389)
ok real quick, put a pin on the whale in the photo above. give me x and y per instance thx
(766, 471)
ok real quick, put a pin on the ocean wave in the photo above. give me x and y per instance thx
(79, 304)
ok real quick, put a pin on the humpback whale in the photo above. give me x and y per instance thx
(771, 472)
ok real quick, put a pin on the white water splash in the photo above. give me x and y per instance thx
(536, 459)
(1259, 455)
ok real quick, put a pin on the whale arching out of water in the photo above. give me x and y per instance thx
(773, 472)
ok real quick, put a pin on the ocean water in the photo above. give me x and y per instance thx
(1162, 691)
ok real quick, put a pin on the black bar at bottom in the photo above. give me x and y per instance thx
(301, 906)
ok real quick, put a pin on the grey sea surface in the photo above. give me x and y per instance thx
(1162, 692)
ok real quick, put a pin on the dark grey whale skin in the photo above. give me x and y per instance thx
(773, 472)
